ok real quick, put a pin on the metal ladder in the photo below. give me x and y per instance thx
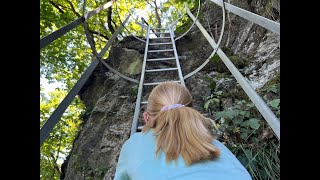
(146, 60)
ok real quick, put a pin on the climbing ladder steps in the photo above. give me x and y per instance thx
(154, 44)
(162, 50)
(151, 78)
(156, 83)
(161, 59)
(159, 70)
(160, 33)
(159, 28)
(161, 38)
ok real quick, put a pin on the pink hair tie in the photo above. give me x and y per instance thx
(168, 107)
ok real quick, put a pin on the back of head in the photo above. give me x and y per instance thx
(179, 129)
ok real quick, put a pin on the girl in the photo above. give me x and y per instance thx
(176, 143)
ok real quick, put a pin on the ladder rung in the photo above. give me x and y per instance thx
(160, 38)
(161, 50)
(144, 102)
(159, 28)
(161, 59)
(160, 43)
(156, 83)
(156, 70)
(160, 33)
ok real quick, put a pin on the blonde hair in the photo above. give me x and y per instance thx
(181, 130)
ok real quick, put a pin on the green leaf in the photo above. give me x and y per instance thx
(247, 114)
(274, 103)
(237, 107)
(238, 121)
(254, 123)
(206, 105)
(218, 93)
(248, 153)
(231, 114)
(236, 130)
(242, 113)
(213, 85)
(245, 130)
(240, 102)
(265, 97)
(273, 89)
(250, 105)
(255, 140)
(244, 135)
(216, 100)
(245, 124)
(220, 114)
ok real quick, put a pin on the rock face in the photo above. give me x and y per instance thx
(110, 100)
(248, 41)
(96, 149)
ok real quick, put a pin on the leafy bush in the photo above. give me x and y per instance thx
(248, 135)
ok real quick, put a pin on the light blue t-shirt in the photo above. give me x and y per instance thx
(137, 161)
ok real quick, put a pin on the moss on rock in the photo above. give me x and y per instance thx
(236, 60)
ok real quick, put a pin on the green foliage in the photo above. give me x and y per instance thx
(67, 57)
(274, 103)
(272, 85)
(212, 82)
(263, 161)
(239, 120)
(134, 90)
(86, 113)
(185, 23)
(213, 100)
(273, 95)
(59, 143)
(248, 135)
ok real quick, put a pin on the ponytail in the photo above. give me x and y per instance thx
(183, 131)
(179, 129)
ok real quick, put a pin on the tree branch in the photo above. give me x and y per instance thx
(56, 6)
(97, 33)
(55, 159)
(72, 8)
(157, 14)
(61, 5)
(114, 24)
(92, 31)
(109, 20)
(53, 169)
(150, 4)
(55, 164)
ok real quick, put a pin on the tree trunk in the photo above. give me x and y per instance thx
(157, 14)
(109, 20)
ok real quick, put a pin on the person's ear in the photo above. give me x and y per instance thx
(146, 117)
